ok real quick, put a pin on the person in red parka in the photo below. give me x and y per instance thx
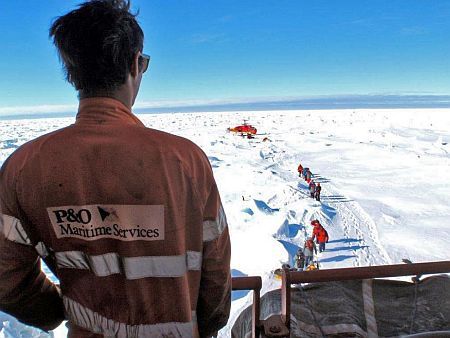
(322, 237)
(315, 223)
(300, 170)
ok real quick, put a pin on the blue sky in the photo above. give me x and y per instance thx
(233, 51)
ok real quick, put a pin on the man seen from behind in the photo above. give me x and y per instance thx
(128, 218)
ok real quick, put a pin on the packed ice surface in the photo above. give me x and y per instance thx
(385, 177)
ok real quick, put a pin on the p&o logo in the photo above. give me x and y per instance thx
(121, 222)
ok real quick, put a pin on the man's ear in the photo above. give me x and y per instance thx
(135, 65)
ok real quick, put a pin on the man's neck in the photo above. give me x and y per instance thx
(118, 95)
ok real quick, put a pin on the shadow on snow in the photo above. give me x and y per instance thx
(248, 211)
(329, 211)
(339, 258)
(320, 179)
(291, 250)
(263, 207)
(289, 230)
(335, 198)
(345, 240)
(342, 248)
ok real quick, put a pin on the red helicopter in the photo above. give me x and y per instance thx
(244, 129)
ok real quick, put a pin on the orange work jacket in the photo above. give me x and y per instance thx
(132, 222)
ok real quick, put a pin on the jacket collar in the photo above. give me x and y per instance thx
(104, 110)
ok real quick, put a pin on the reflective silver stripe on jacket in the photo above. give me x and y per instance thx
(41, 249)
(213, 229)
(13, 230)
(94, 322)
(131, 267)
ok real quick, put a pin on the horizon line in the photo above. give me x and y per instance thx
(316, 102)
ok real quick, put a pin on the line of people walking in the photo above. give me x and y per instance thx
(314, 189)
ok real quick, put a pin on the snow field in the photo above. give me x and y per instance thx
(384, 175)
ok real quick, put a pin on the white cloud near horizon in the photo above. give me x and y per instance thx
(49, 108)
(68, 108)
(72, 108)
(38, 109)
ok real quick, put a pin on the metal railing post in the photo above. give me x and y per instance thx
(251, 283)
(286, 298)
(256, 325)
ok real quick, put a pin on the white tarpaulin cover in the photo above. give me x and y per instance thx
(369, 308)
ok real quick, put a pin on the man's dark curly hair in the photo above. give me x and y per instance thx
(97, 44)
